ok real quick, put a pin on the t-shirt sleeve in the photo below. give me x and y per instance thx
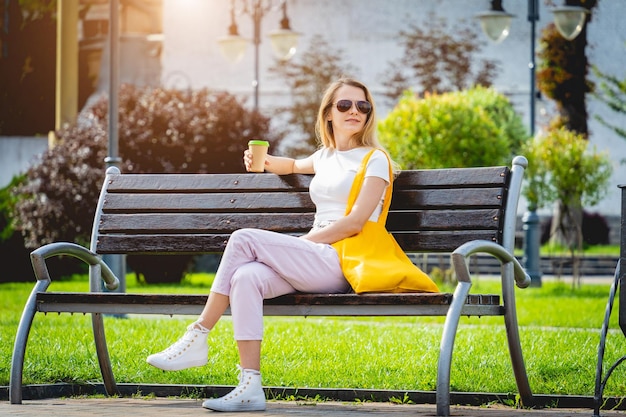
(378, 166)
(317, 155)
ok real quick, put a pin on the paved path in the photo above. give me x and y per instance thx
(162, 407)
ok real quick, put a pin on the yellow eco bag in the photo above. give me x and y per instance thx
(372, 260)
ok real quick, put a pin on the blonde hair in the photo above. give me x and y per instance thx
(324, 127)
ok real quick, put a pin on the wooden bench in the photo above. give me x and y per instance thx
(457, 211)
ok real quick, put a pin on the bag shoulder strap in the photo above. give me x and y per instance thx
(358, 182)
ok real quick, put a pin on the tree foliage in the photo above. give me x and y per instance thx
(563, 167)
(436, 61)
(476, 127)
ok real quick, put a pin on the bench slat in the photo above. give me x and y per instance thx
(447, 199)
(439, 178)
(452, 177)
(203, 223)
(426, 241)
(208, 182)
(292, 201)
(208, 202)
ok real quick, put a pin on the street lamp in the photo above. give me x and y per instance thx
(569, 21)
(283, 40)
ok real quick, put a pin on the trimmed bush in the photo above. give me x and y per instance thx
(476, 127)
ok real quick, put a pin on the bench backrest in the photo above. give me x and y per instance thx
(432, 210)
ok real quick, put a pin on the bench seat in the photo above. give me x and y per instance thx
(406, 304)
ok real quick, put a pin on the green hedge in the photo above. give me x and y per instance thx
(476, 127)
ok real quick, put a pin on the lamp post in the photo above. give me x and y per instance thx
(117, 263)
(569, 21)
(283, 40)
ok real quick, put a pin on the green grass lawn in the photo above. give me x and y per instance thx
(560, 331)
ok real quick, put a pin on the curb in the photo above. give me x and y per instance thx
(45, 391)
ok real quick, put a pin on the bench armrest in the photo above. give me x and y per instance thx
(38, 259)
(460, 255)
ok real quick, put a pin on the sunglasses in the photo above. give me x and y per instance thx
(363, 106)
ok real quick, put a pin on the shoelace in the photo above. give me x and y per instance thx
(239, 373)
(184, 342)
(239, 388)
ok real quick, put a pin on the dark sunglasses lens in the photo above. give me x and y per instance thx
(344, 105)
(364, 106)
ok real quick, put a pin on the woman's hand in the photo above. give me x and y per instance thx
(371, 193)
(247, 159)
(281, 165)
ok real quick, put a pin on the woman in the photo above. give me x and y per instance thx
(259, 264)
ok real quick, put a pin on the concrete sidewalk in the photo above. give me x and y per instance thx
(162, 407)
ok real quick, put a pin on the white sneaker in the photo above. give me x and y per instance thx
(247, 396)
(189, 351)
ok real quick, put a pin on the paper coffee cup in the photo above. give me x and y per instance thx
(259, 152)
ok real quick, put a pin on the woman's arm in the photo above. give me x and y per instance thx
(281, 165)
(370, 195)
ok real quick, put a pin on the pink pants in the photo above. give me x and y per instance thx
(259, 264)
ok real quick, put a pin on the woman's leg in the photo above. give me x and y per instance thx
(304, 265)
(257, 264)
(249, 354)
(213, 310)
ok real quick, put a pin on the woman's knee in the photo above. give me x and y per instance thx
(248, 276)
(244, 237)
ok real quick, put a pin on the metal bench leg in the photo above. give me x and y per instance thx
(447, 346)
(597, 397)
(97, 323)
(21, 339)
(512, 332)
(103, 355)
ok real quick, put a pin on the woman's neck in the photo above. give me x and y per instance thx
(344, 144)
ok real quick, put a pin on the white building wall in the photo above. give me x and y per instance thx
(17, 154)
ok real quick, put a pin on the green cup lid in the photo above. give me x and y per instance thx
(259, 142)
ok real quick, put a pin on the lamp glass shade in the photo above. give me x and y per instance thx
(284, 43)
(233, 47)
(569, 20)
(495, 24)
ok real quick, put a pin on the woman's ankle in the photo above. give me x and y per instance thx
(198, 326)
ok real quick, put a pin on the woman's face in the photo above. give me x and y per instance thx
(347, 123)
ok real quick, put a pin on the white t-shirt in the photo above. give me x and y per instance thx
(334, 173)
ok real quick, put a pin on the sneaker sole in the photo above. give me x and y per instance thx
(234, 407)
(175, 367)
